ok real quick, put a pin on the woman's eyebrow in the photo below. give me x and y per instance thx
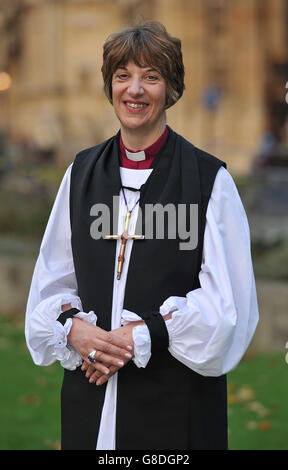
(145, 69)
(152, 70)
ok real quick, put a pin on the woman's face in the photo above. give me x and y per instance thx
(139, 97)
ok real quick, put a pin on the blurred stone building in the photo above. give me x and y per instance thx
(51, 94)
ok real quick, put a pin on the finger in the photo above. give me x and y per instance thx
(109, 358)
(84, 366)
(98, 366)
(96, 376)
(107, 351)
(117, 341)
(89, 368)
(89, 371)
(103, 378)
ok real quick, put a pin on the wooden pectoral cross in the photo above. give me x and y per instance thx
(124, 237)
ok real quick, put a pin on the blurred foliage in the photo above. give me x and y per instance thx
(270, 258)
(264, 196)
(27, 194)
(23, 217)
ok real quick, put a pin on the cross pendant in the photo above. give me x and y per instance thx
(124, 237)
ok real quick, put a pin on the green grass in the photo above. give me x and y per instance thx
(30, 398)
(29, 395)
(258, 411)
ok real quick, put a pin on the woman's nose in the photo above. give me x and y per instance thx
(135, 87)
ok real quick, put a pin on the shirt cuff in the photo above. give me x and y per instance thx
(142, 345)
(141, 338)
(141, 335)
(172, 304)
(64, 352)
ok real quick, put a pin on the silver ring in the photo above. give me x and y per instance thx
(91, 356)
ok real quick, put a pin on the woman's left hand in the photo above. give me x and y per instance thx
(125, 332)
(96, 376)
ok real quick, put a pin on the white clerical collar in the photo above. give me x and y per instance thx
(135, 156)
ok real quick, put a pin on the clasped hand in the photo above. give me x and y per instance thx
(95, 371)
(114, 348)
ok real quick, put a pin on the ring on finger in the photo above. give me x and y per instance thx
(91, 356)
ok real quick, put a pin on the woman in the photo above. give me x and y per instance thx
(173, 317)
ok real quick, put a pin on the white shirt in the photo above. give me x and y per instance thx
(210, 328)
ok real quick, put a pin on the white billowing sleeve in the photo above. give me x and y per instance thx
(54, 284)
(213, 325)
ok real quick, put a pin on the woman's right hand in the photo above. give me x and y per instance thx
(110, 348)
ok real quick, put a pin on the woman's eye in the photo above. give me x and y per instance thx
(122, 76)
(151, 78)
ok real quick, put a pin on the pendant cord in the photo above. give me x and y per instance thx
(126, 201)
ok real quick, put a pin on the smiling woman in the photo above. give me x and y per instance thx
(143, 75)
(172, 320)
(139, 99)
(149, 46)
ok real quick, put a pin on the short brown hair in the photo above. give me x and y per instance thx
(146, 44)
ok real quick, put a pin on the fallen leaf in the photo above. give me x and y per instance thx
(245, 393)
(258, 408)
(231, 387)
(30, 400)
(56, 445)
(232, 399)
(251, 425)
(265, 425)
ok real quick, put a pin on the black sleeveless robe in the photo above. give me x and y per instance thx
(165, 405)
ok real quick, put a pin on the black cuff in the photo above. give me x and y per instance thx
(157, 329)
(67, 314)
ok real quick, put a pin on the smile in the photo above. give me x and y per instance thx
(130, 104)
